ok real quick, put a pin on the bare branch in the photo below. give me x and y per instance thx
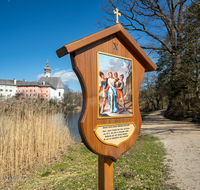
(139, 15)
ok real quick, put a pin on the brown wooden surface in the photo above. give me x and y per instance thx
(84, 62)
(121, 33)
(105, 173)
(84, 54)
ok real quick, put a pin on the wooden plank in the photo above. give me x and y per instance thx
(71, 47)
(84, 63)
(137, 50)
(121, 33)
(105, 173)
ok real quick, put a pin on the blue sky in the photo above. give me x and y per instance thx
(32, 30)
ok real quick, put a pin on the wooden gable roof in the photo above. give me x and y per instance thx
(119, 30)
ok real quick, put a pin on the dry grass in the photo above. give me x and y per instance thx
(31, 135)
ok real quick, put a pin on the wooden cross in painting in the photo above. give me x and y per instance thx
(110, 66)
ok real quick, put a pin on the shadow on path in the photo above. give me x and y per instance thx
(156, 123)
(182, 142)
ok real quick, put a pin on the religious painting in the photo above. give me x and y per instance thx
(115, 86)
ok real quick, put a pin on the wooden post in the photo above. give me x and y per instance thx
(105, 170)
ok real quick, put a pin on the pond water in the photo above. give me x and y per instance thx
(72, 118)
(72, 123)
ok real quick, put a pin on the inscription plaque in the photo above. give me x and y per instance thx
(114, 134)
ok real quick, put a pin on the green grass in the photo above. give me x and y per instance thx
(142, 167)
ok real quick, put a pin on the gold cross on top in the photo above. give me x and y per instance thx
(117, 14)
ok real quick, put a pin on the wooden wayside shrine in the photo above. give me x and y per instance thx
(110, 66)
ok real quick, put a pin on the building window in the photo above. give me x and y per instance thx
(26, 90)
(34, 90)
(1, 89)
(6, 90)
(33, 94)
(46, 95)
(30, 94)
(22, 90)
(26, 94)
(59, 94)
(10, 90)
(30, 90)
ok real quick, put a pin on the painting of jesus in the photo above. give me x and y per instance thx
(115, 86)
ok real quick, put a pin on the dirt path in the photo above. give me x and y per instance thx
(182, 141)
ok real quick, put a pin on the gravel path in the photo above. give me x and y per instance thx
(182, 142)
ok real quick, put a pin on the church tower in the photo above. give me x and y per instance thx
(47, 70)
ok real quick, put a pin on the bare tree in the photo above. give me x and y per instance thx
(161, 22)
(71, 99)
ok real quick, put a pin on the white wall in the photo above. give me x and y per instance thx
(8, 91)
(54, 94)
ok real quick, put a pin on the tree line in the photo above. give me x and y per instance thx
(168, 29)
(71, 99)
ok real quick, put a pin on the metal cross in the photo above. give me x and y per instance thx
(117, 14)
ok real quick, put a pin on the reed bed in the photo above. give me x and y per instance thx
(31, 135)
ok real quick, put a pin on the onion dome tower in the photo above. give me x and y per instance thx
(47, 70)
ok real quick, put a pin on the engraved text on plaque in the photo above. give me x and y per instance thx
(114, 134)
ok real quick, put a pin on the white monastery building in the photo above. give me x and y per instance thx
(46, 88)
(56, 85)
(8, 88)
